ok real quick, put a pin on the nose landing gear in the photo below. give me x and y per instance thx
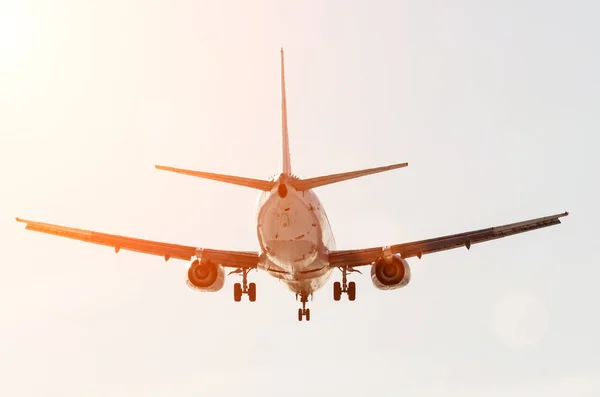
(303, 311)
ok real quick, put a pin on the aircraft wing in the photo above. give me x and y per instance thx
(367, 256)
(237, 259)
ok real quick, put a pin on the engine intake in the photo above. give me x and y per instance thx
(390, 273)
(205, 276)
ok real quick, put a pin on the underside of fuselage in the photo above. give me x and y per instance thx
(294, 237)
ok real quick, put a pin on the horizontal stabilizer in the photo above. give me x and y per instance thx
(235, 180)
(306, 184)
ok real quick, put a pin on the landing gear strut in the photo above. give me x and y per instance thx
(303, 311)
(244, 287)
(345, 287)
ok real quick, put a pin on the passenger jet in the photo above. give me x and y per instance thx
(295, 241)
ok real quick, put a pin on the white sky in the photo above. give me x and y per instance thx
(493, 104)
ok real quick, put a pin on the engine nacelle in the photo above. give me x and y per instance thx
(205, 276)
(390, 273)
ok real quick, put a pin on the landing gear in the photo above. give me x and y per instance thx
(345, 287)
(244, 287)
(303, 311)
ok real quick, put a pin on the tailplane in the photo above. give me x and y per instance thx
(296, 183)
(306, 184)
(235, 180)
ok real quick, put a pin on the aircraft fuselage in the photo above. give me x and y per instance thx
(294, 237)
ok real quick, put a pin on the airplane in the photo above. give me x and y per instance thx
(296, 244)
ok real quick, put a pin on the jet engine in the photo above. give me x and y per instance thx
(390, 273)
(205, 276)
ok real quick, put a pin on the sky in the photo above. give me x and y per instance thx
(493, 104)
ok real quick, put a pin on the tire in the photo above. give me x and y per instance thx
(237, 292)
(337, 291)
(299, 314)
(307, 313)
(252, 292)
(351, 290)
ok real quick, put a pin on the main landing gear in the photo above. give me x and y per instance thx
(244, 287)
(345, 287)
(303, 311)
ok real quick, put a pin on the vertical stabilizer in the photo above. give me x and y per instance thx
(286, 165)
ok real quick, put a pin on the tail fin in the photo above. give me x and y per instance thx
(306, 184)
(286, 162)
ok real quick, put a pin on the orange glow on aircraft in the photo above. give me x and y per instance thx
(295, 238)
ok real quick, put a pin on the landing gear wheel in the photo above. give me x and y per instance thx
(252, 292)
(337, 291)
(351, 291)
(300, 314)
(237, 292)
(307, 314)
